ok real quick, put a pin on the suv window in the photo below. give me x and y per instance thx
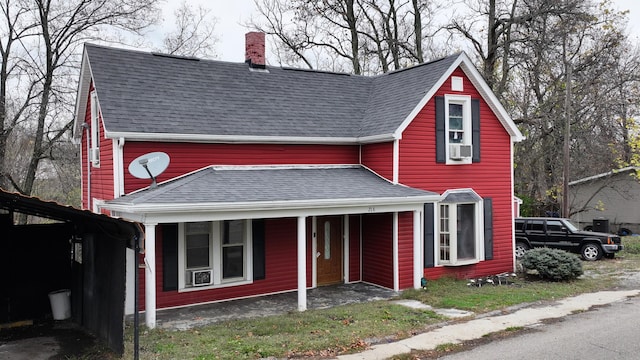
(555, 225)
(535, 226)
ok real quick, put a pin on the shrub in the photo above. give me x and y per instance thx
(553, 264)
(631, 244)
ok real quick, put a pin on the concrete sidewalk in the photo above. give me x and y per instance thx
(476, 328)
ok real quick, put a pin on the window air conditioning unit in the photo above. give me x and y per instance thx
(95, 156)
(459, 151)
(202, 277)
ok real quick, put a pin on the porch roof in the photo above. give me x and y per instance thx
(271, 188)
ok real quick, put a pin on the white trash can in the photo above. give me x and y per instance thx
(60, 304)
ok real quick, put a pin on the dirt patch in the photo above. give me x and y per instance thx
(50, 340)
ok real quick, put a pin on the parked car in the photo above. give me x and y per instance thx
(562, 234)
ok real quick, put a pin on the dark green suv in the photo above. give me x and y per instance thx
(562, 234)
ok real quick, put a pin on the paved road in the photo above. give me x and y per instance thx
(609, 332)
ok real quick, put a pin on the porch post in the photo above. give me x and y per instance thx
(302, 264)
(346, 242)
(418, 271)
(396, 267)
(149, 275)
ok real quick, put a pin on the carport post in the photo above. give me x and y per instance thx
(302, 264)
(149, 275)
(136, 297)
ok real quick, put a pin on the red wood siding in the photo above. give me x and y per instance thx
(377, 249)
(280, 248)
(405, 250)
(187, 157)
(491, 177)
(379, 158)
(101, 177)
(354, 248)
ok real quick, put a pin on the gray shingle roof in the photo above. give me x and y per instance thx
(141, 92)
(267, 184)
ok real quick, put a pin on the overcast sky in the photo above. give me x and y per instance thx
(232, 13)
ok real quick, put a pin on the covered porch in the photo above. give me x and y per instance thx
(302, 197)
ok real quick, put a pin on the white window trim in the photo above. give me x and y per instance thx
(95, 131)
(465, 101)
(479, 233)
(215, 244)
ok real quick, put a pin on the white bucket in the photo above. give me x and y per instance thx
(60, 304)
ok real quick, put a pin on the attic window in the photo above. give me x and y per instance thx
(457, 83)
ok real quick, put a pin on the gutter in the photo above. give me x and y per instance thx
(247, 139)
(267, 205)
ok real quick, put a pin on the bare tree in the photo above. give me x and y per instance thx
(194, 33)
(358, 36)
(15, 26)
(500, 20)
(40, 57)
(587, 38)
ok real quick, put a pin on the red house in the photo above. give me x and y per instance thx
(271, 179)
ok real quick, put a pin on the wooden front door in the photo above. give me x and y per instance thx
(329, 244)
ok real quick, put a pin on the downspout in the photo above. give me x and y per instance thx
(119, 169)
(85, 126)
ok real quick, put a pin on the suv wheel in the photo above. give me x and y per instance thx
(521, 248)
(591, 252)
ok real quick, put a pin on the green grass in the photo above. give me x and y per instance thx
(351, 328)
(453, 293)
(312, 333)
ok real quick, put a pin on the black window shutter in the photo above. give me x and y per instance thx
(169, 257)
(488, 229)
(441, 139)
(258, 249)
(429, 236)
(475, 129)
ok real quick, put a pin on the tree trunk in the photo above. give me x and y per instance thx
(353, 29)
(417, 28)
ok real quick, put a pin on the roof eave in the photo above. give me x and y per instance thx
(84, 84)
(603, 175)
(496, 106)
(247, 139)
(476, 78)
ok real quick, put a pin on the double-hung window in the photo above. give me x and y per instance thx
(457, 129)
(457, 122)
(233, 243)
(198, 245)
(214, 253)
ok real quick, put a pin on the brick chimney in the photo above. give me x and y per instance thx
(254, 49)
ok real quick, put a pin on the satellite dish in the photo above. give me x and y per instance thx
(149, 166)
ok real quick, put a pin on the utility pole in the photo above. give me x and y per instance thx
(567, 140)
